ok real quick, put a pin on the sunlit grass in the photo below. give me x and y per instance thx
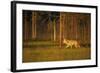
(54, 53)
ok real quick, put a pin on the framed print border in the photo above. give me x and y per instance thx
(14, 47)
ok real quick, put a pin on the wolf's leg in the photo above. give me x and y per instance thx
(75, 45)
(67, 46)
(70, 45)
(78, 46)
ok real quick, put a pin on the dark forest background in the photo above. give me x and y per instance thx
(55, 26)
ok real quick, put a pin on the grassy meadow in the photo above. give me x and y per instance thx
(50, 51)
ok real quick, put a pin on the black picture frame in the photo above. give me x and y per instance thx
(14, 35)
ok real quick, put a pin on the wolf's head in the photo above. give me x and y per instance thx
(65, 41)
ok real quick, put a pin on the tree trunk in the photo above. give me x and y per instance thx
(54, 27)
(33, 25)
